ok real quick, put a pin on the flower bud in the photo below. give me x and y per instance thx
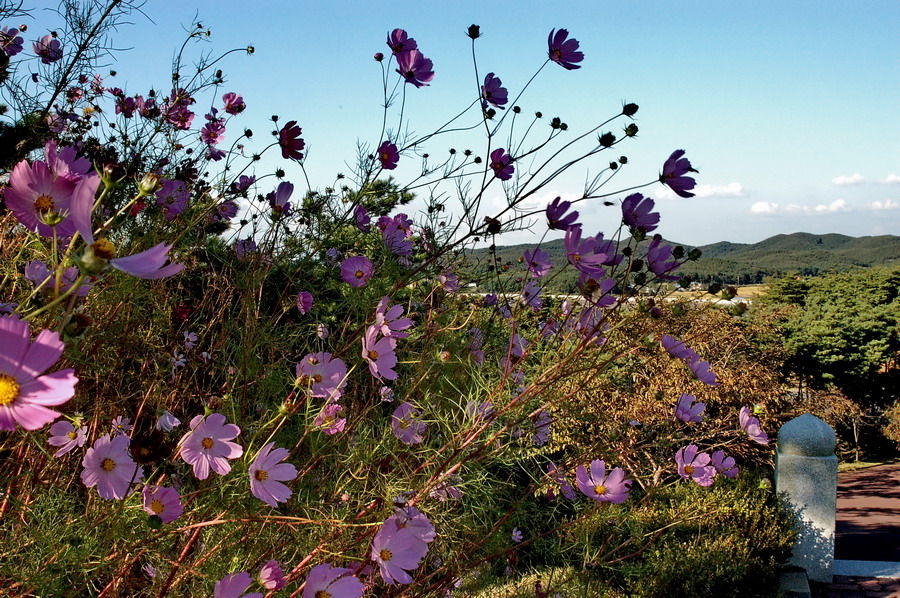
(629, 109)
(248, 133)
(149, 184)
(607, 139)
(378, 56)
(474, 31)
(631, 130)
(694, 254)
(623, 159)
(678, 252)
(613, 165)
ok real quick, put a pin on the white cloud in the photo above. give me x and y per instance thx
(728, 190)
(891, 179)
(765, 207)
(888, 204)
(664, 193)
(853, 179)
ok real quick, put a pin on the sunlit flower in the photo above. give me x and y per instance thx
(694, 465)
(278, 199)
(379, 354)
(406, 425)
(48, 49)
(167, 422)
(271, 576)
(267, 473)
(399, 41)
(659, 262)
(356, 271)
(322, 375)
(325, 581)
(750, 425)
(600, 486)
(388, 155)
(538, 262)
(66, 436)
(388, 320)
(397, 551)
(36, 197)
(415, 68)
(11, 43)
(636, 213)
(37, 272)
(208, 445)
(234, 104)
(108, 466)
(328, 421)
(724, 465)
(234, 585)
(162, 502)
(121, 426)
(557, 219)
(687, 410)
(673, 174)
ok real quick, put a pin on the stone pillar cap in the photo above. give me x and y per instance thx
(807, 436)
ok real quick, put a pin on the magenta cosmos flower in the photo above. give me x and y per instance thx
(36, 196)
(208, 445)
(271, 576)
(66, 436)
(388, 155)
(332, 582)
(162, 502)
(694, 465)
(290, 141)
(406, 425)
(388, 320)
(267, 472)
(600, 486)
(26, 395)
(149, 264)
(356, 271)
(562, 51)
(329, 421)
(415, 68)
(234, 585)
(48, 49)
(323, 375)
(397, 551)
(11, 43)
(501, 164)
(493, 92)
(278, 199)
(108, 466)
(673, 174)
(689, 411)
(750, 425)
(557, 219)
(636, 213)
(234, 104)
(399, 41)
(379, 354)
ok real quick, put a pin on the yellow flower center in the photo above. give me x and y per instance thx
(404, 423)
(44, 204)
(261, 475)
(373, 355)
(157, 507)
(108, 465)
(360, 273)
(385, 156)
(72, 435)
(9, 389)
(600, 490)
(385, 554)
(317, 378)
(322, 594)
(104, 249)
(689, 469)
(207, 443)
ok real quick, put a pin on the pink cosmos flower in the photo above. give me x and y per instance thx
(48, 49)
(406, 425)
(399, 41)
(636, 213)
(388, 320)
(493, 92)
(25, 394)
(36, 196)
(267, 472)
(271, 576)
(208, 445)
(750, 425)
(65, 162)
(501, 164)
(562, 51)
(162, 502)
(388, 155)
(290, 141)
(379, 354)
(415, 68)
(724, 465)
(688, 411)
(304, 302)
(334, 582)
(414, 520)
(323, 375)
(397, 551)
(328, 421)
(356, 271)
(600, 486)
(278, 199)
(694, 465)
(557, 219)
(66, 436)
(108, 466)
(234, 104)
(234, 585)
(673, 172)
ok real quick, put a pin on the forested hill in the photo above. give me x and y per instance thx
(750, 263)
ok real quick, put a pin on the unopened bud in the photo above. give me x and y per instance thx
(474, 31)
(149, 184)
(629, 109)
(607, 139)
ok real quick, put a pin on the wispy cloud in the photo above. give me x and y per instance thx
(888, 204)
(853, 179)
(728, 190)
(767, 207)
(891, 179)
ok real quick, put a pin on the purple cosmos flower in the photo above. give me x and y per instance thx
(243, 183)
(39, 274)
(121, 426)
(538, 262)
(396, 240)
(560, 478)
(379, 354)
(750, 425)
(290, 141)
(688, 411)
(271, 576)
(278, 199)
(516, 535)
(323, 376)
(388, 155)
(480, 412)
(406, 425)
(449, 281)
(531, 295)
(412, 519)
(362, 218)
(127, 106)
(65, 162)
(542, 422)
(386, 394)
(172, 197)
(36, 196)
(234, 104)
(675, 347)
(415, 68)
(562, 51)
(214, 129)
(388, 320)
(476, 342)
(162, 502)
(108, 466)
(693, 465)
(244, 247)
(11, 43)
(608, 248)
(356, 271)
(225, 211)
(334, 582)
(597, 289)
(493, 92)
(673, 172)
(190, 340)
(658, 260)
(580, 252)
(557, 219)
(636, 213)
(600, 486)
(234, 585)
(177, 112)
(328, 421)
(208, 445)
(25, 394)
(700, 369)
(501, 164)
(397, 551)
(48, 49)
(167, 422)
(304, 302)
(267, 472)
(66, 436)
(724, 465)
(399, 41)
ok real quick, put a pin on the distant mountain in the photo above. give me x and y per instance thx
(750, 263)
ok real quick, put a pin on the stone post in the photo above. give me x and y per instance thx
(806, 471)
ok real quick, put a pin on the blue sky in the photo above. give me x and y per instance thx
(788, 109)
